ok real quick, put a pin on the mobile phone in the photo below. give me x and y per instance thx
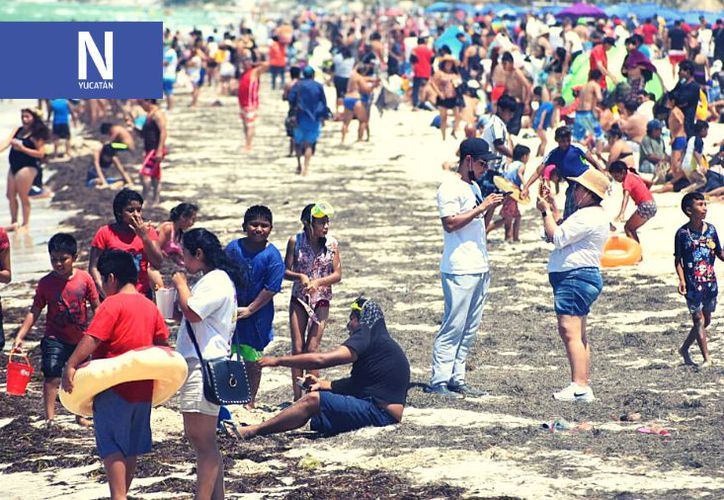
(300, 383)
(507, 193)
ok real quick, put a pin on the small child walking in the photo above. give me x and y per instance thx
(126, 320)
(313, 263)
(696, 247)
(67, 292)
(635, 188)
(263, 272)
(510, 214)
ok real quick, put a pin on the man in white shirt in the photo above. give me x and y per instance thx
(464, 268)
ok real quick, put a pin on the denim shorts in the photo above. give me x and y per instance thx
(574, 291)
(121, 426)
(341, 413)
(701, 297)
(55, 355)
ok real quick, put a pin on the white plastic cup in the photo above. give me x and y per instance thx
(166, 301)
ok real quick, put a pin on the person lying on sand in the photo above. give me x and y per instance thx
(374, 394)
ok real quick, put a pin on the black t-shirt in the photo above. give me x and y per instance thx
(689, 92)
(381, 371)
(677, 36)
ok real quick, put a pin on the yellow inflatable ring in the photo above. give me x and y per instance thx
(166, 367)
(620, 251)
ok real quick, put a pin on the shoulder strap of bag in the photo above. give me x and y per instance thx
(193, 339)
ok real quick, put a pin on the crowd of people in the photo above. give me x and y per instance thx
(497, 84)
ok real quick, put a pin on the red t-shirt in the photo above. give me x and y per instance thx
(599, 54)
(636, 188)
(423, 67)
(107, 237)
(123, 322)
(4, 241)
(649, 31)
(277, 55)
(67, 302)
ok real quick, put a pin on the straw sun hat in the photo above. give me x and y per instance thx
(594, 181)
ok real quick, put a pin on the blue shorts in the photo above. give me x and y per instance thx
(574, 291)
(121, 426)
(701, 297)
(340, 413)
(307, 132)
(546, 122)
(679, 144)
(350, 102)
(55, 355)
(585, 122)
(168, 86)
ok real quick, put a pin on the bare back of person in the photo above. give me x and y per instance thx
(499, 76)
(119, 133)
(589, 96)
(676, 123)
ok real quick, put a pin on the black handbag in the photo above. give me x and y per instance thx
(225, 380)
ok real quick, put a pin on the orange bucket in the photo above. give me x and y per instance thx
(19, 374)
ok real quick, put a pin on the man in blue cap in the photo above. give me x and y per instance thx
(308, 98)
(464, 267)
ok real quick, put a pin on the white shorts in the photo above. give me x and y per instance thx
(191, 395)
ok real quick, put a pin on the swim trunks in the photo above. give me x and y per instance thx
(584, 123)
(448, 103)
(646, 209)
(679, 144)
(61, 130)
(151, 166)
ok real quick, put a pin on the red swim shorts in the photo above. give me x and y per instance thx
(151, 166)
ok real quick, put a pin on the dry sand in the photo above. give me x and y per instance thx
(384, 192)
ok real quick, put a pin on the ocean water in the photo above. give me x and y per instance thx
(29, 254)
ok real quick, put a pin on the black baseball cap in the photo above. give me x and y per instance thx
(476, 148)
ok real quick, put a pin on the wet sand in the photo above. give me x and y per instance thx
(390, 238)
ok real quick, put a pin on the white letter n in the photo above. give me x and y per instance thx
(86, 44)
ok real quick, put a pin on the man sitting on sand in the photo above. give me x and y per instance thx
(374, 394)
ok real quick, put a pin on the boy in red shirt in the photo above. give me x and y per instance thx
(122, 414)
(635, 188)
(67, 292)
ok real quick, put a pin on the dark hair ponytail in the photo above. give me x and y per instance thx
(182, 210)
(214, 255)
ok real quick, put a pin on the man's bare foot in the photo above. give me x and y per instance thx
(25, 228)
(82, 421)
(246, 149)
(687, 359)
(12, 227)
(708, 363)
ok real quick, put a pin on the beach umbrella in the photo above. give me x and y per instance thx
(449, 38)
(581, 10)
(439, 7)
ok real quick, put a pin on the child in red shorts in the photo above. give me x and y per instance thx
(67, 292)
(126, 320)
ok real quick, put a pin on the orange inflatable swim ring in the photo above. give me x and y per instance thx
(166, 367)
(620, 251)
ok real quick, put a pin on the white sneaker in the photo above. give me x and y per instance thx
(575, 392)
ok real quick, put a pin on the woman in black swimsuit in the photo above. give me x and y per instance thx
(28, 148)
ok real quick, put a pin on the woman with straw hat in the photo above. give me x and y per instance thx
(574, 271)
(28, 149)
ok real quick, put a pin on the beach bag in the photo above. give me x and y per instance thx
(702, 108)
(225, 379)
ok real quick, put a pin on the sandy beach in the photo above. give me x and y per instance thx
(390, 243)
